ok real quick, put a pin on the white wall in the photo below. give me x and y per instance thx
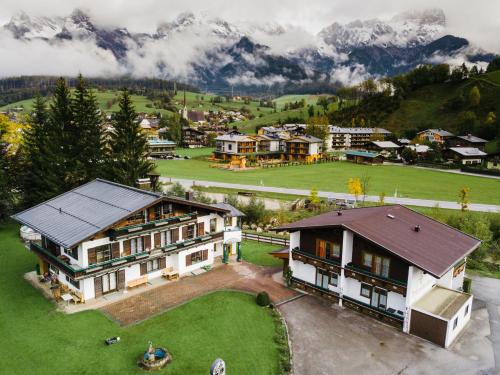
(182, 258)
(458, 281)
(446, 280)
(463, 318)
(352, 288)
(420, 284)
(302, 271)
(396, 301)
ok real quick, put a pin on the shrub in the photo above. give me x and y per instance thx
(263, 299)
(467, 285)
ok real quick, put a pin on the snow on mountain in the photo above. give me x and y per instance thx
(213, 52)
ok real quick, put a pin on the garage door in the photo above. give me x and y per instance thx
(428, 327)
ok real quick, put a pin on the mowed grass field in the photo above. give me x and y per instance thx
(103, 98)
(407, 181)
(258, 253)
(38, 339)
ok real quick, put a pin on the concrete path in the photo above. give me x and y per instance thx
(234, 276)
(327, 339)
(488, 290)
(329, 194)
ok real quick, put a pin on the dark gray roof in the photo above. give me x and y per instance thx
(472, 139)
(84, 211)
(233, 211)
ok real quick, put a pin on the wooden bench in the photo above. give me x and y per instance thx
(170, 274)
(77, 297)
(140, 281)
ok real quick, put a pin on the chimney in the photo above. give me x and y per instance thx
(143, 183)
(417, 228)
(189, 195)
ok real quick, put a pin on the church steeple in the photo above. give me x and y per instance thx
(184, 111)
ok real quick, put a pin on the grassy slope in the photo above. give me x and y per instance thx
(36, 339)
(409, 181)
(258, 253)
(424, 107)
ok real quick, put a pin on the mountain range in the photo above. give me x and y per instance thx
(215, 54)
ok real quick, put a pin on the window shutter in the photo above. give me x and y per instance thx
(175, 235)
(157, 240)
(204, 254)
(147, 242)
(121, 279)
(126, 247)
(115, 250)
(98, 286)
(144, 268)
(184, 232)
(162, 262)
(188, 260)
(201, 228)
(92, 255)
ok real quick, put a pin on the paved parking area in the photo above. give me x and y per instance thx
(238, 276)
(328, 339)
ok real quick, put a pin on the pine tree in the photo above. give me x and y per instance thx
(41, 180)
(87, 134)
(128, 146)
(62, 137)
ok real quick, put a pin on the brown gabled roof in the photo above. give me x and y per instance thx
(435, 248)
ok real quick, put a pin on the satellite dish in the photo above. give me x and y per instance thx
(218, 367)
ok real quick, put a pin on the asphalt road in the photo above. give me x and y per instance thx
(330, 194)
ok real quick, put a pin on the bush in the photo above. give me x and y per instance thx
(467, 285)
(263, 299)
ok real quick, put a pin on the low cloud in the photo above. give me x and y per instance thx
(349, 75)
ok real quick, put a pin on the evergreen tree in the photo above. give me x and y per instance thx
(128, 146)
(41, 179)
(87, 134)
(62, 138)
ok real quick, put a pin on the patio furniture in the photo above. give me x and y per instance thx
(66, 298)
(170, 274)
(77, 297)
(140, 281)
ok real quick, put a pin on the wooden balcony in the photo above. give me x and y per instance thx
(308, 258)
(379, 314)
(315, 290)
(368, 277)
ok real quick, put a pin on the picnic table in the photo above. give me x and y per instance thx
(67, 297)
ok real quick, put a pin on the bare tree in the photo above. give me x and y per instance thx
(365, 186)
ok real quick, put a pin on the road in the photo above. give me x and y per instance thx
(488, 290)
(329, 194)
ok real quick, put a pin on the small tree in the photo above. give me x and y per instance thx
(381, 198)
(177, 190)
(354, 187)
(313, 196)
(463, 196)
(474, 97)
(365, 186)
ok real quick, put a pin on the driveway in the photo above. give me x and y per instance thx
(488, 290)
(235, 276)
(328, 194)
(328, 339)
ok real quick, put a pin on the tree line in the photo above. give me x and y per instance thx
(64, 145)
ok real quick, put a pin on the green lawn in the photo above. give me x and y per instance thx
(408, 181)
(36, 339)
(258, 253)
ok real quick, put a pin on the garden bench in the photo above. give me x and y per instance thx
(170, 274)
(140, 281)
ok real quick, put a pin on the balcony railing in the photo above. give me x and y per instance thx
(381, 314)
(314, 260)
(366, 276)
(315, 289)
(151, 225)
(76, 271)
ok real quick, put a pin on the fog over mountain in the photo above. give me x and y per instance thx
(213, 52)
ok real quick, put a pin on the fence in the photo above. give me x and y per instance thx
(296, 162)
(266, 239)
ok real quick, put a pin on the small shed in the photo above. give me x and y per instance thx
(364, 157)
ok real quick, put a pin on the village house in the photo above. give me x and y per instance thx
(193, 138)
(465, 155)
(364, 157)
(390, 262)
(385, 148)
(303, 148)
(434, 135)
(339, 138)
(467, 141)
(161, 148)
(228, 146)
(104, 237)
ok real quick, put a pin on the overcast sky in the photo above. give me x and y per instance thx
(477, 20)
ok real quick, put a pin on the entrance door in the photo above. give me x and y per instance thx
(379, 298)
(109, 283)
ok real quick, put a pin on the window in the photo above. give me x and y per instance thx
(136, 218)
(332, 249)
(166, 238)
(76, 284)
(366, 290)
(334, 279)
(213, 225)
(229, 147)
(367, 259)
(152, 265)
(455, 323)
(228, 221)
(190, 231)
(196, 257)
(53, 269)
(136, 245)
(73, 252)
(103, 253)
(466, 310)
(322, 278)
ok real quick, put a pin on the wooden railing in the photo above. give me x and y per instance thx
(365, 276)
(315, 289)
(266, 239)
(383, 315)
(316, 261)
